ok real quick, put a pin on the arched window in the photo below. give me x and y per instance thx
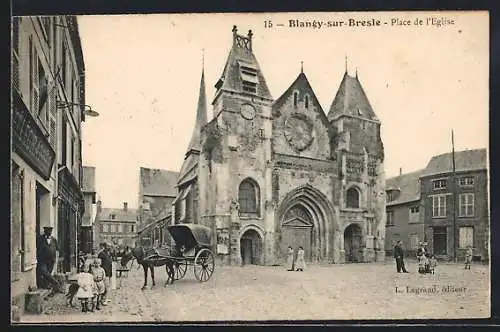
(248, 197)
(352, 198)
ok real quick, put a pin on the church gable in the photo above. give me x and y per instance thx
(300, 127)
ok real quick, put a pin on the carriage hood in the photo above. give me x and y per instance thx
(190, 235)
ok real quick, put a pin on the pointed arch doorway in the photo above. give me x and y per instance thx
(297, 230)
(305, 218)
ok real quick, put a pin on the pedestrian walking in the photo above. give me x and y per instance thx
(290, 259)
(468, 258)
(86, 288)
(301, 263)
(99, 275)
(46, 255)
(107, 265)
(399, 256)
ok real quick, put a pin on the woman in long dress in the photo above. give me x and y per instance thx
(289, 259)
(300, 265)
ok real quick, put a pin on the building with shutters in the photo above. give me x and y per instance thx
(420, 206)
(116, 226)
(469, 186)
(267, 173)
(48, 101)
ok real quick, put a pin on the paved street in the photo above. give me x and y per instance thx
(350, 291)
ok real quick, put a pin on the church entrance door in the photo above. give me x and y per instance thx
(251, 248)
(353, 244)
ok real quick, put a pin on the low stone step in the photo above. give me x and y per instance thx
(34, 300)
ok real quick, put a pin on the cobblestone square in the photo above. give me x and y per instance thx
(321, 292)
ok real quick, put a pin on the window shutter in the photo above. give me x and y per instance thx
(53, 133)
(34, 78)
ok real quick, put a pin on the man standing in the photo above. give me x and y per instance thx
(107, 265)
(399, 256)
(46, 255)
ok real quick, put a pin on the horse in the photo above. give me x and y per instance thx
(139, 253)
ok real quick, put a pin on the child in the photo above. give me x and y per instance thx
(432, 264)
(99, 275)
(468, 258)
(422, 263)
(85, 291)
(301, 263)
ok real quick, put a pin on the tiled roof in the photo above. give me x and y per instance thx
(408, 185)
(106, 214)
(231, 79)
(466, 160)
(88, 179)
(158, 182)
(351, 99)
(189, 170)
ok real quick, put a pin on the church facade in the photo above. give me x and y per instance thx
(269, 173)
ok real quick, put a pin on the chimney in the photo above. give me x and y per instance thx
(400, 171)
(99, 206)
(125, 206)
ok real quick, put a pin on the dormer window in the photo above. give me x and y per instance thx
(248, 74)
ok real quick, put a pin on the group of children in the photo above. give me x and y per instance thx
(92, 287)
(427, 262)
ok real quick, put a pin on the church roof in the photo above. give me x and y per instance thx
(467, 160)
(351, 100)
(157, 182)
(242, 65)
(194, 148)
(201, 117)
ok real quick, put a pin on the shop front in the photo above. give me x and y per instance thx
(69, 215)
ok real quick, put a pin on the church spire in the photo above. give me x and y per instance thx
(201, 116)
(242, 73)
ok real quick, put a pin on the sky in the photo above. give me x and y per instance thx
(143, 75)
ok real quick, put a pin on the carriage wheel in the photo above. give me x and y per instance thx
(204, 265)
(180, 269)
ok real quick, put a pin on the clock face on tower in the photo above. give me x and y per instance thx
(298, 132)
(247, 111)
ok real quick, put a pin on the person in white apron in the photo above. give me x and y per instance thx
(300, 265)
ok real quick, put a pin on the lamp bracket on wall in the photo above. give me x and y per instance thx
(88, 109)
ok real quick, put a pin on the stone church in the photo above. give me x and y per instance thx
(269, 173)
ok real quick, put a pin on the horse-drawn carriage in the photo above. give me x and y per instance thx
(192, 248)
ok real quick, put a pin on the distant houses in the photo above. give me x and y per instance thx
(157, 191)
(420, 206)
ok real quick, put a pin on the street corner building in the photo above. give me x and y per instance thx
(447, 210)
(269, 173)
(48, 108)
